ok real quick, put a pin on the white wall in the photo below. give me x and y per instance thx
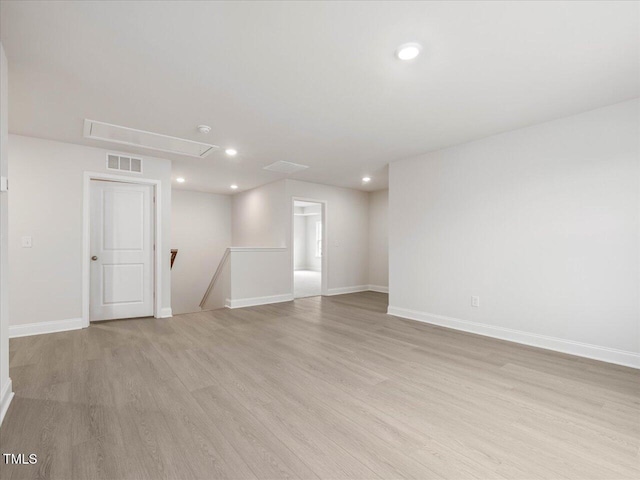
(6, 392)
(262, 217)
(259, 217)
(542, 223)
(379, 240)
(45, 199)
(201, 231)
(259, 276)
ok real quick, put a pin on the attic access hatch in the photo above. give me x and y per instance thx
(139, 138)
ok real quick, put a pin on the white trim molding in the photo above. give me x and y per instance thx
(39, 328)
(344, 290)
(379, 288)
(594, 352)
(5, 399)
(165, 313)
(250, 302)
(257, 249)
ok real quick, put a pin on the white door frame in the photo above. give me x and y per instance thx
(86, 236)
(324, 274)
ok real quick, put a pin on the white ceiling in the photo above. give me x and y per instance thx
(315, 83)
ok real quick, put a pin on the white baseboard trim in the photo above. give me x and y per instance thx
(356, 289)
(250, 302)
(379, 288)
(5, 399)
(45, 327)
(165, 313)
(595, 352)
(343, 290)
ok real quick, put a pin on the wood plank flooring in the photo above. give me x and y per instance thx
(317, 388)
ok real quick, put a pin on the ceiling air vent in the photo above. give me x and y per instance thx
(285, 167)
(140, 138)
(124, 163)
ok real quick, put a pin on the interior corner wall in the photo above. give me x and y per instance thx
(379, 239)
(541, 223)
(6, 391)
(201, 231)
(259, 217)
(46, 203)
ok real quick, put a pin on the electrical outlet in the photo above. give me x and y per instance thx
(475, 301)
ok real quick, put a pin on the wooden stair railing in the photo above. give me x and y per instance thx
(214, 279)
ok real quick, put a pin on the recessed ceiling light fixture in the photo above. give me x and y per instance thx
(408, 51)
(232, 152)
(366, 179)
(204, 128)
(180, 180)
(234, 187)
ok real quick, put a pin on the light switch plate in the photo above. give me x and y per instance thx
(4, 184)
(26, 242)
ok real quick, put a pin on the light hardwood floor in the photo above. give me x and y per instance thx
(316, 388)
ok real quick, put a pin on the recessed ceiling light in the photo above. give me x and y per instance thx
(366, 179)
(408, 51)
(180, 180)
(234, 187)
(204, 128)
(232, 152)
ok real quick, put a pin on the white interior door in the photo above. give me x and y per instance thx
(122, 245)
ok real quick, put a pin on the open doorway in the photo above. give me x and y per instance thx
(308, 248)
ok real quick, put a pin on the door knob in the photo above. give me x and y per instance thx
(94, 258)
